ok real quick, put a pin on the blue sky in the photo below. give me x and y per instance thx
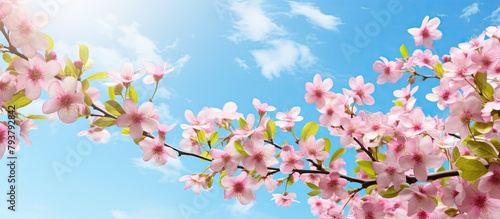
(222, 50)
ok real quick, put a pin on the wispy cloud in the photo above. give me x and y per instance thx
(170, 171)
(469, 11)
(238, 209)
(253, 23)
(314, 15)
(173, 45)
(179, 64)
(495, 16)
(117, 214)
(284, 55)
(165, 115)
(242, 63)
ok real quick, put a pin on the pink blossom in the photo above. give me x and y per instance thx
(405, 94)
(26, 126)
(190, 141)
(262, 108)
(351, 128)
(227, 114)
(163, 129)
(419, 197)
(155, 73)
(22, 33)
(473, 44)
(425, 59)
(155, 148)
(460, 66)
(318, 91)
(227, 159)
(332, 111)
(199, 122)
(96, 134)
(285, 199)
(125, 77)
(35, 74)
(360, 91)
(66, 99)
(462, 113)
(4, 138)
(416, 122)
(389, 172)
(239, 187)
(454, 193)
(487, 58)
(427, 32)
(247, 130)
(7, 86)
(444, 94)
(287, 119)
(138, 120)
(490, 182)
(196, 182)
(291, 159)
(421, 156)
(260, 156)
(479, 205)
(391, 71)
(332, 184)
(313, 149)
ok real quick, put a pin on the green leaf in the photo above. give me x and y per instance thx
(51, 43)
(206, 154)
(328, 145)
(125, 131)
(98, 76)
(470, 168)
(222, 175)
(133, 94)
(105, 122)
(455, 154)
(6, 57)
(36, 117)
(438, 68)
(88, 65)
(85, 85)
(312, 186)
(19, 100)
(213, 138)
(290, 180)
(370, 189)
(398, 103)
(114, 107)
(482, 127)
(338, 153)
(111, 92)
(403, 51)
(118, 89)
(310, 129)
(366, 166)
(314, 193)
(70, 68)
(495, 143)
(240, 149)
(480, 80)
(481, 149)
(138, 140)
(86, 99)
(242, 123)
(391, 192)
(202, 137)
(84, 53)
(270, 129)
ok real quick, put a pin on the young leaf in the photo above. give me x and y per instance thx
(314, 193)
(36, 117)
(19, 100)
(270, 129)
(403, 51)
(366, 166)
(105, 122)
(111, 92)
(201, 136)
(470, 168)
(481, 149)
(132, 94)
(310, 129)
(328, 145)
(240, 149)
(338, 153)
(242, 123)
(84, 54)
(312, 186)
(114, 107)
(438, 68)
(97, 76)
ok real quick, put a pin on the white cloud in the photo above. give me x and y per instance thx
(142, 46)
(314, 15)
(164, 93)
(254, 24)
(171, 171)
(165, 115)
(469, 11)
(117, 214)
(179, 64)
(173, 45)
(285, 55)
(242, 63)
(495, 16)
(238, 209)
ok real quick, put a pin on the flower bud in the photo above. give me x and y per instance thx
(51, 56)
(78, 64)
(446, 58)
(411, 80)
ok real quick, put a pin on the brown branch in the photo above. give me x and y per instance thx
(12, 49)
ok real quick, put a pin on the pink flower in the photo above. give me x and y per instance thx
(360, 91)
(138, 120)
(4, 139)
(22, 33)
(260, 156)
(421, 156)
(35, 74)
(391, 71)
(291, 160)
(26, 126)
(262, 108)
(285, 199)
(287, 119)
(96, 134)
(454, 194)
(190, 141)
(444, 94)
(196, 182)
(479, 205)
(419, 197)
(7, 86)
(126, 76)
(416, 122)
(405, 94)
(66, 99)
(425, 59)
(460, 66)
(389, 172)
(155, 73)
(490, 182)
(332, 184)
(239, 187)
(318, 91)
(163, 129)
(227, 159)
(332, 111)
(426, 33)
(462, 113)
(199, 122)
(154, 148)
(313, 149)
(351, 128)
